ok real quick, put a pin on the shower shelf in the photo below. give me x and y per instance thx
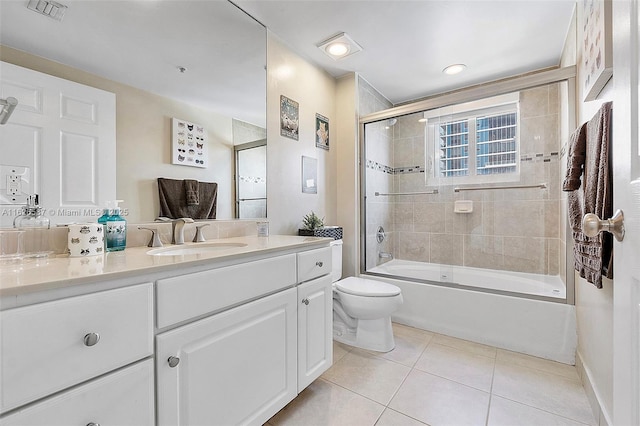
(482, 188)
(381, 194)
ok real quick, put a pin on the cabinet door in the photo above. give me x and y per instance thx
(122, 398)
(315, 327)
(236, 367)
(45, 347)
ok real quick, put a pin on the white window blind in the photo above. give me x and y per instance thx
(475, 142)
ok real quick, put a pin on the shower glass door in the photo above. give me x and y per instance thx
(469, 194)
(251, 180)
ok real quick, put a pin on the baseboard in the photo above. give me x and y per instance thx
(602, 416)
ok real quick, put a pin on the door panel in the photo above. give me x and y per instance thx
(236, 367)
(65, 133)
(626, 166)
(315, 328)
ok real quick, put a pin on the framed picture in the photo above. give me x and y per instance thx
(597, 49)
(322, 132)
(309, 175)
(188, 144)
(289, 117)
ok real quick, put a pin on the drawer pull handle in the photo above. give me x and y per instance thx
(173, 361)
(319, 264)
(305, 301)
(93, 424)
(91, 339)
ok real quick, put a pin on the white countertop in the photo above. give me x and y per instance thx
(35, 275)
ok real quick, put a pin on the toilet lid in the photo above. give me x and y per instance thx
(364, 287)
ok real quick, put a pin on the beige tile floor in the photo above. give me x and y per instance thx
(439, 380)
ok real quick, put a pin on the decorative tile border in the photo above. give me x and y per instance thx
(373, 165)
(534, 158)
(540, 157)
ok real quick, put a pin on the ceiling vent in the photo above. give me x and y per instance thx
(48, 8)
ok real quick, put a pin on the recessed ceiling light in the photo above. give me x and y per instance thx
(339, 46)
(454, 69)
(337, 49)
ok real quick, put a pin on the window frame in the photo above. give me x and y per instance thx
(469, 111)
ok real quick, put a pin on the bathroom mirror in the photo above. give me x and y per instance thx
(198, 61)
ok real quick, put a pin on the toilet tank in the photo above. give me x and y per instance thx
(336, 260)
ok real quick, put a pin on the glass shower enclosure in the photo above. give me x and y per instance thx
(467, 194)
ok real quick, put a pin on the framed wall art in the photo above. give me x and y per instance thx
(597, 50)
(322, 132)
(289, 118)
(188, 144)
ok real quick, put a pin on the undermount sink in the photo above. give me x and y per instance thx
(200, 248)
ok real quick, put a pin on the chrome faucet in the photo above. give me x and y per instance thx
(199, 237)
(155, 238)
(385, 255)
(177, 231)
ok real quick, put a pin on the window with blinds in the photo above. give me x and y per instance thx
(478, 143)
(496, 144)
(454, 148)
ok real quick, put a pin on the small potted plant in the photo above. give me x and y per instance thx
(313, 226)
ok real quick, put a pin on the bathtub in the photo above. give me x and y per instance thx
(521, 312)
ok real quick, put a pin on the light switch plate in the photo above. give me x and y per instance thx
(15, 184)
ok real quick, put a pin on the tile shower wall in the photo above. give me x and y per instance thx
(379, 153)
(516, 230)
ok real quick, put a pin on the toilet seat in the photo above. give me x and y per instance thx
(364, 287)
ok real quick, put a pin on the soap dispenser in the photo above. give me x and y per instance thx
(116, 229)
(36, 224)
(102, 220)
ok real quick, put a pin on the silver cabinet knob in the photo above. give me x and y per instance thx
(592, 225)
(173, 361)
(91, 339)
(319, 264)
(305, 301)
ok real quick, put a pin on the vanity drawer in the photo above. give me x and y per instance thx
(125, 397)
(47, 347)
(192, 295)
(314, 263)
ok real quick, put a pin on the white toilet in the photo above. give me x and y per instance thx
(362, 308)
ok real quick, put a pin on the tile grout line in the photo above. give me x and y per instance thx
(543, 410)
(493, 377)
(404, 380)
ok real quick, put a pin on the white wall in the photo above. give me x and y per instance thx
(314, 90)
(594, 307)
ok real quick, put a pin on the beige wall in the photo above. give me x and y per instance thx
(314, 90)
(347, 197)
(143, 138)
(514, 230)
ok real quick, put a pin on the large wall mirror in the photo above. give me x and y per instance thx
(198, 61)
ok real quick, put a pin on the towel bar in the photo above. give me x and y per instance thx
(381, 194)
(482, 188)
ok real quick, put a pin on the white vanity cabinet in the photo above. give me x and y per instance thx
(236, 367)
(242, 365)
(54, 346)
(315, 315)
(236, 339)
(125, 397)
